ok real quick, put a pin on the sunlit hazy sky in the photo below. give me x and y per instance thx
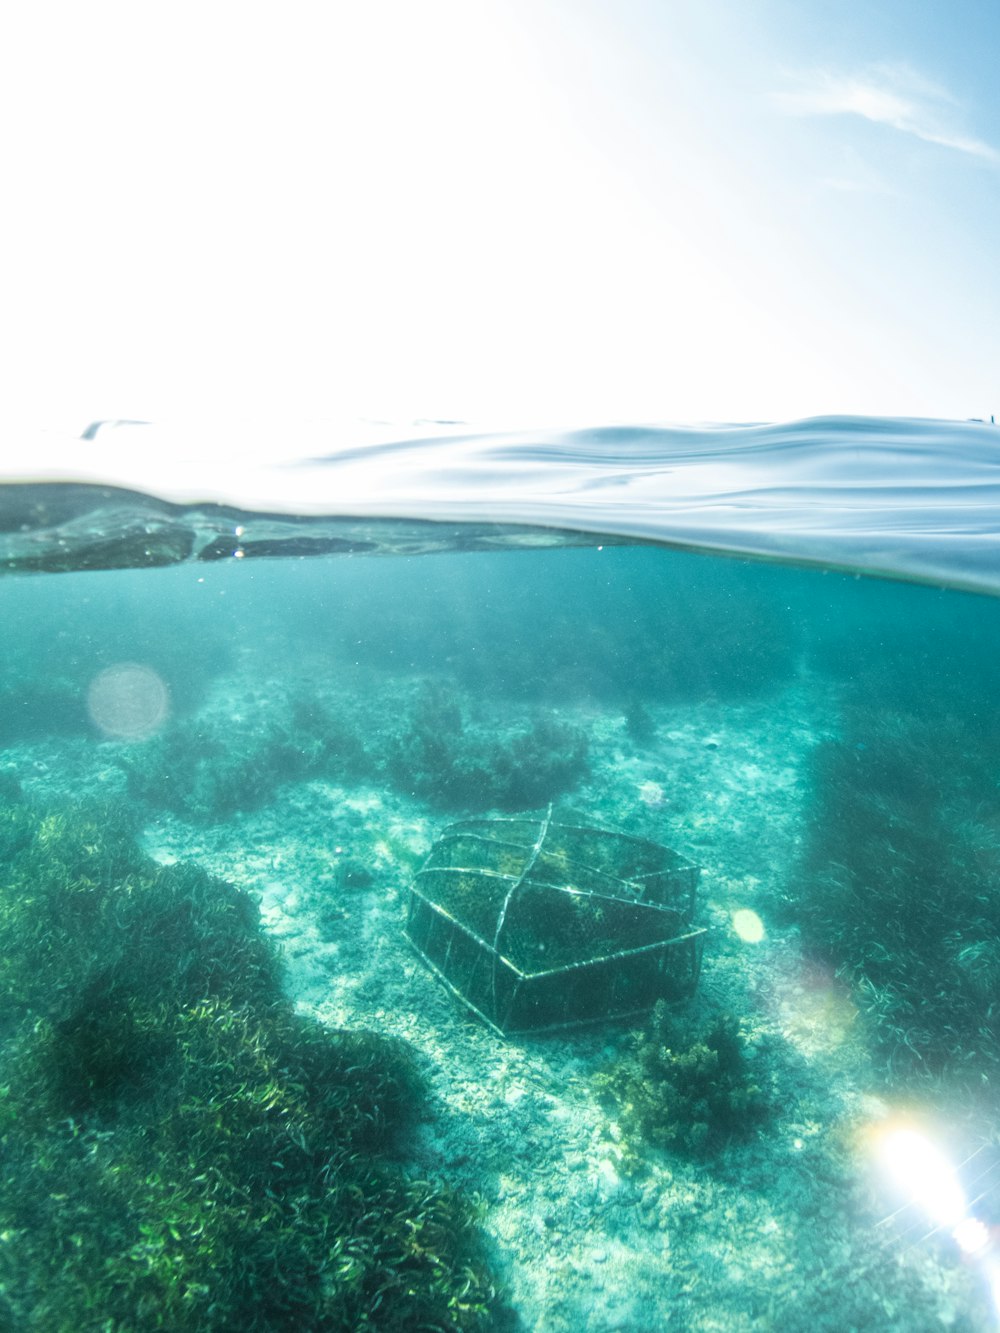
(507, 211)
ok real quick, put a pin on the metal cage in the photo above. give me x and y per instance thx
(537, 924)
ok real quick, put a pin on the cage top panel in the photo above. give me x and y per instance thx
(568, 855)
(546, 895)
(619, 854)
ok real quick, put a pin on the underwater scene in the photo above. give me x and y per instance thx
(459, 926)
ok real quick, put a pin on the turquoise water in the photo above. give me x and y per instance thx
(902, 498)
(238, 1093)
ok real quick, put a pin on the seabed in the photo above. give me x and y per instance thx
(782, 1230)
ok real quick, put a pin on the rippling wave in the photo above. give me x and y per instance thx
(901, 498)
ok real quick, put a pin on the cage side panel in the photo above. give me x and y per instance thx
(640, 981)
(420, 922)
(671, 888)
(466, 967)
(486, 981)
(609, 988)
(590, 993)
(508, 985)
(541, 1002)
(682, 964)
(548, 928)
(470, 967)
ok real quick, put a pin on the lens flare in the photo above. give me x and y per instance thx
(923, 1172)
(748, 926)
(972, 1235)
(927, 1180)
(128, 701)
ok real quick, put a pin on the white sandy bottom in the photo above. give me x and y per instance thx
(774, 1233)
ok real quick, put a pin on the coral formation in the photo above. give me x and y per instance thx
(446, 760)
(691, 1094)
(209, 767)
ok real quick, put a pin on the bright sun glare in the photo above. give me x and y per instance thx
(505, 212)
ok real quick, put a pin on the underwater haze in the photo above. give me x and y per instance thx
(472, 882)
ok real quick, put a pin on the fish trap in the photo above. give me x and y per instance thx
(537, 925)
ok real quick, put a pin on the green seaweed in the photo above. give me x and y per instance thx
(182, 1150)
(898, 891)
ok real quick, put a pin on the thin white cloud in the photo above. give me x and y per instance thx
(891, 95)
(855, 185)
(850, 172)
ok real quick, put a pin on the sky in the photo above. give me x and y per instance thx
(508, 212)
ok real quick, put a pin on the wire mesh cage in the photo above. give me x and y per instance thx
(538, 924)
